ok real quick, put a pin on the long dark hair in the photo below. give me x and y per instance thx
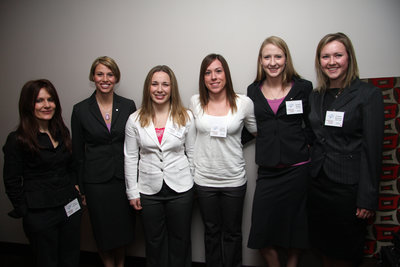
(28, 127)
(203, 90)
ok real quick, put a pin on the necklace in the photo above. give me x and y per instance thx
(268, 92)
(107, 113)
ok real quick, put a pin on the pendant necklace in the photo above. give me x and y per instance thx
(107, 115)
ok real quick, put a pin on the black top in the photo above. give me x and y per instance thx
(282, 139)
(37, 180)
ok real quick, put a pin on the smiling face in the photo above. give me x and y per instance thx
(214, 77)
(273, 61)
(160, 88)
(45, 106)
(104, 79)
(334, 62)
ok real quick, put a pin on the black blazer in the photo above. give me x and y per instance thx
(281, 138)
(350, 154)
(40, 181)
(99, 154)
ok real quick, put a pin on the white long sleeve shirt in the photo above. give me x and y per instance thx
(219, 161)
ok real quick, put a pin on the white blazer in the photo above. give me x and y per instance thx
(148, 163)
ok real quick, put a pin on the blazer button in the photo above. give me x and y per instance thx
(162, 170)
(159, 150)
(161, 160)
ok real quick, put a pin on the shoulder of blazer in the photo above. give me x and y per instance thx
(364, 89)
(304, 84)
(124, 101)
(252, 89)
(85, 103)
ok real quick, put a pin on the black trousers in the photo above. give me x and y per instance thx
(167, 218)
(58, 245)
(221, 210)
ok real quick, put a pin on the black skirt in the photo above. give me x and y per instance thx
(279, 216)
(334, 228)
(111, 216)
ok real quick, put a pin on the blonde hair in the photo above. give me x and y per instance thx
(178, 111)
(289, 72)
(352, 70)
(109, 63)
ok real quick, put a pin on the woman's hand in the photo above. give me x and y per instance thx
(364, 213)
(135, 203)
(83, 198)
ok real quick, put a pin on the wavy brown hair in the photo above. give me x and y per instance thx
(179, 113)
(352, 69)
(28, 127)
(203, 90)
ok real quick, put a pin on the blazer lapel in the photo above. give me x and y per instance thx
(151, 132)
(116, 109)
(168, 127)
(347, 95)
(259, 96)
(95, 110)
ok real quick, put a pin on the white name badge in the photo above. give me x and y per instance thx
(218, 126)
(72, 207)
(334, 118)
(177, 131)
(294, 107)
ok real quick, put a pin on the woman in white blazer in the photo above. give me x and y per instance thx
(159, 141)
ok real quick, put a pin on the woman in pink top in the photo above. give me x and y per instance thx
(280, 99)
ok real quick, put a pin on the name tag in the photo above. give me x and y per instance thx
(218, 126)
(72, 207)
(294, 107)
(177, 131)
(334, 118)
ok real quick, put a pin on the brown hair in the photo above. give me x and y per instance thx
(178, 111)
(352, 70)
(28, 127)
(203, 90)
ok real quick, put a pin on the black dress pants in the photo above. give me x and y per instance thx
(221, 210)
(167, 218)
(58, 245)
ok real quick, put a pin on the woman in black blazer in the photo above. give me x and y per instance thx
(347, 118)
(39, 178)
(280, 97)
(98, 133)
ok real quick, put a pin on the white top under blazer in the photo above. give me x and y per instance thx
(219, 161)
(148, 163)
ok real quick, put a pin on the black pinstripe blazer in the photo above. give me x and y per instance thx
(350, 154)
